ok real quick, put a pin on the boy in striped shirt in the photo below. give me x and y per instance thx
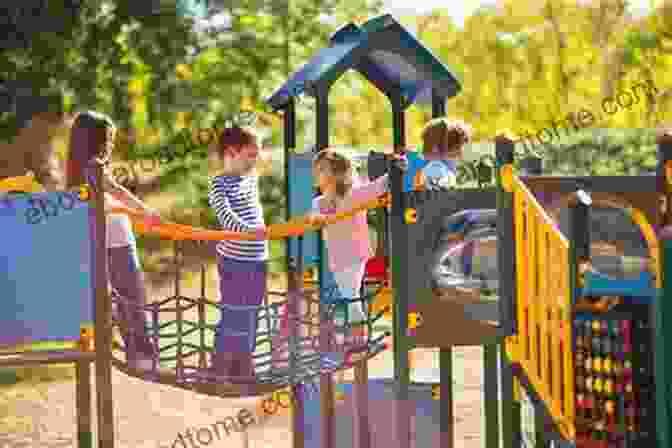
(234, 195)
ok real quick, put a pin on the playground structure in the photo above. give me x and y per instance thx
(536, 302)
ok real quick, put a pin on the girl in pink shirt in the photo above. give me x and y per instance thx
(347, 241)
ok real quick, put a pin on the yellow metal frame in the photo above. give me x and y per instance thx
(651, 240)
(26, 184)
(543, 343)
(645, 227)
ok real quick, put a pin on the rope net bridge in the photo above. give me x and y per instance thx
(299, 336)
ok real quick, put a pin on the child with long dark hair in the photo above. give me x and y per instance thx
(92, 137)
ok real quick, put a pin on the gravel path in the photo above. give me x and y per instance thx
(153, 416)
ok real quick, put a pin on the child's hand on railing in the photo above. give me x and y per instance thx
(152, 218)
(400, 161)
(317, 219)
(261, 233)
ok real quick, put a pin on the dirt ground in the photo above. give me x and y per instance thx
(151, 415)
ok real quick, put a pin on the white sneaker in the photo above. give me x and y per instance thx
(356, 313)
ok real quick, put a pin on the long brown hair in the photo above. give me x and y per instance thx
(91, 136)
(339, 166)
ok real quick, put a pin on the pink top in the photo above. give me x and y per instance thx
(348, 241)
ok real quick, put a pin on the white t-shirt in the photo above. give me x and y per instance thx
(118, 225)
(119, 231)
(440, 173)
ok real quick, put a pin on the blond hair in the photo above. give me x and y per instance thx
(339, 166)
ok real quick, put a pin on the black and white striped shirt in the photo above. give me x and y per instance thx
(235, 200)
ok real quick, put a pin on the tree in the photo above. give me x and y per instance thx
(89, 52)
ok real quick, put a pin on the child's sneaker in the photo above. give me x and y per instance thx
(356, 344)
(245, 370)
(222, 366)
(148, 363)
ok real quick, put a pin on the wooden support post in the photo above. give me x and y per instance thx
(360, 401)
(327, 411)
(539, 425)
(83, 403)
(295, 275)
(510, 408)
(294, 288)
(506, 252)
(447, 422)
(491, 395)
(298, 416)
(102, 318)
(402, 293)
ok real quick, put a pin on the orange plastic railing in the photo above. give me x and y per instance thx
(543, 344)
(295, 227)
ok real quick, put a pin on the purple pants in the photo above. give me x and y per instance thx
(242, 286)
(126, 277)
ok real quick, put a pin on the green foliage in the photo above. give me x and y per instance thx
(642, 39)
(95, 54)
(188, 181)
(598, 152)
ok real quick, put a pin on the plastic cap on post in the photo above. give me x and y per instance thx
(664, 136)
(668, 172)
(504, 142)
(664, 141)
(506, 174)
(410, 216)
(582, 197)
(579, 230)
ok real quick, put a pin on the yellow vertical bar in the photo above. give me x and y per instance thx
(532, 296)
(567, 330)
(521, 270)
(516, 390)
(543, 301)
(655, 257)
(555, 294)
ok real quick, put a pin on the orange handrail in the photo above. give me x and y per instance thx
(295, 227)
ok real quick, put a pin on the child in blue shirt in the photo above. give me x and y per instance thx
(442, 143)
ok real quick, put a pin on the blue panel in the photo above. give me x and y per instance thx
(45, 268)
(415, 164)
(300, 203)
(597, 285)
